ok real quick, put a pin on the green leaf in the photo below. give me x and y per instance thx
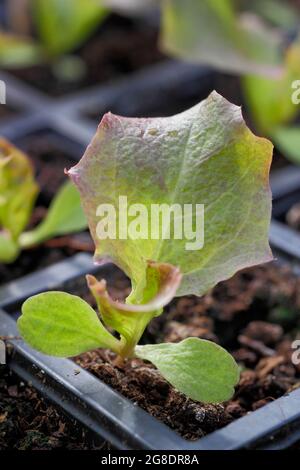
(18, 191)
(65, 215)
(211, 32)
(287, 139)
(270, 101)
(64, 25)
(18, 51)
(63, 325)
(200, 369)
(279, 13)
(206, 155)
(9, 250)
(130, 320)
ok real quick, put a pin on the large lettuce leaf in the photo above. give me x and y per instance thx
(205, 155)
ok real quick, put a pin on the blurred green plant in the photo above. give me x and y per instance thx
(63, 25)
(18, 193)
(247, 38)
(288, 141)
(54, 29)
(211, 32)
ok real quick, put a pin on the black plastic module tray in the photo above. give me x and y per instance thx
(112, 416)
(83, 396)
(285, 185)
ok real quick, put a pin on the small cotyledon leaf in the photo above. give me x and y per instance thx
(65, 215)
(205, 155)
(200, 369)
(63, 325)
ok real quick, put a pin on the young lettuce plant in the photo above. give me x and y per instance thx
(59, 28)
(49, 31)
(220, 34)
(18, 193)
(274, 104)
(205, 155)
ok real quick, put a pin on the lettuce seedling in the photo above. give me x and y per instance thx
(18, 193)
(274, 106)
(219, 34)
(60, 27)
(270, 101)
(205, 155)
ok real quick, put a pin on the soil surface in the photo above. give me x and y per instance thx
(46, 150)
(255, 315)
(28, 422)
(49, 161)
(120, 46)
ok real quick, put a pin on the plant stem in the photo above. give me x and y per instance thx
(119, 361)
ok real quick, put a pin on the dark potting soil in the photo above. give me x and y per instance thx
(49, 162)
(255, 315)
(120, 46)
(28, 422)
(49, 159)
